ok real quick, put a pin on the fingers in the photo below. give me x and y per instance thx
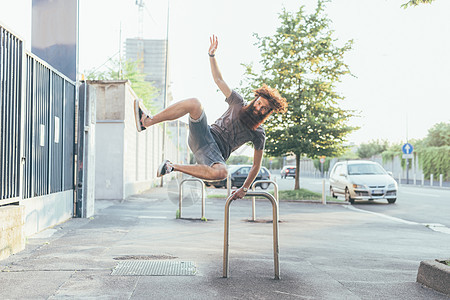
(214, 43)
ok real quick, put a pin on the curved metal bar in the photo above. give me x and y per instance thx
(275, 231)
(180, 199)
(228, 185)
(275, 191)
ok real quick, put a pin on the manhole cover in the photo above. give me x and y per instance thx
(154, 268)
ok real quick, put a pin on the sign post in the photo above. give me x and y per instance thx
(322, 161)
(407, 150)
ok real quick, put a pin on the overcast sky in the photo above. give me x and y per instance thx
(401, 58)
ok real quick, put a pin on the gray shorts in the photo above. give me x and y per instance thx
(202, 143)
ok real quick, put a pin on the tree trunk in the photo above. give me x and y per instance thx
(297, 172)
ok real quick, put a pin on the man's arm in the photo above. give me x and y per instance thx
(223, 86)
(257, 159)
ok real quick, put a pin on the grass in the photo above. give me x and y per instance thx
(216, 196)
(301, 194)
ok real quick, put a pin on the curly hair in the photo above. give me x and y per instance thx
(278, 103)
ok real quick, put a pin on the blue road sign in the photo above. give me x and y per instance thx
(407, 148)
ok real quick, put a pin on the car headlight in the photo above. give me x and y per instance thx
(392, 186)
(358, 186)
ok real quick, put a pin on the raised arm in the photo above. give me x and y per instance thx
(223, 86)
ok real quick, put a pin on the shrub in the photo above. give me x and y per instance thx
(435, 160)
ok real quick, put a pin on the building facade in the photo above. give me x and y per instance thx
(153, 56)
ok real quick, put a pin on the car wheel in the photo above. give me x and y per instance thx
(264, 185)
(392, 200)
(332, 193)
(347, 196)
(217, 186)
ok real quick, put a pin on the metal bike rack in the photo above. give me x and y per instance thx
(180, 199)
(275, 191)
(275, 231)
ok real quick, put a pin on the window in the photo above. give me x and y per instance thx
(243, 171)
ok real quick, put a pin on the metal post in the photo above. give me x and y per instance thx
(253, 205)
(423, 179)
(415, 180)
(431, 180)
(180, 199)
(407, 171)
(324, 198)
(275, 232)
(441, 177)
(228, 185)
(275, 191)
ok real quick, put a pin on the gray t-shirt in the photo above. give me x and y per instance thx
(230, 133)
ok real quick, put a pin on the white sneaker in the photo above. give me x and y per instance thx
(164, 168)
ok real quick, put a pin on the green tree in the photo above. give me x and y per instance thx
(367, 150)
(272, 162)
(415, 3)
(303, 62)
(130, 70)
(239, 160)
(438, 135)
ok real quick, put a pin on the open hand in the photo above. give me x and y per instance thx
(214, 43)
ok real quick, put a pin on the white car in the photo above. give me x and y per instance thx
(362, 180)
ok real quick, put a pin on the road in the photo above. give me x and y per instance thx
(414, 204)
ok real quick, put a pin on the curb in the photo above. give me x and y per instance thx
(435, 275)
(316, 201)
(304, 201)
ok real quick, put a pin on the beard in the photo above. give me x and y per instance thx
(251, 117)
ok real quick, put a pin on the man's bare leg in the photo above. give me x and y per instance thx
(216, 172)
(195, 110)
(192, 106)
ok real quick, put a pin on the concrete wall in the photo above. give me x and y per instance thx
(109, 160)
(126, 160)
(46, 211)
(88, 205)
(12, 238)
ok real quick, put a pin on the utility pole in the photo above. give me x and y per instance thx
(165, 89)
(140, 43)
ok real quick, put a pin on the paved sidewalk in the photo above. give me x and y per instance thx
(326, 252)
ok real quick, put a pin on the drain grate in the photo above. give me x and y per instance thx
(145, 257)
(154, 268)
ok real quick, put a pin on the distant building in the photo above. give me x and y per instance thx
(153, 55)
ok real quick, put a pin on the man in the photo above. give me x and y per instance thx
(212, 145)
